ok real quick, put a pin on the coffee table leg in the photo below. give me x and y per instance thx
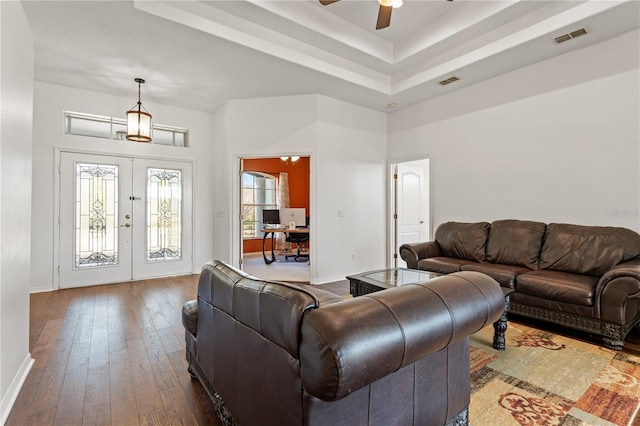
(500, 327)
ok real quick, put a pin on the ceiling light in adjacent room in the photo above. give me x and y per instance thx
(293, 159)
(138, 121)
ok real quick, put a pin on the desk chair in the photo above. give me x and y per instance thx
(298, 238)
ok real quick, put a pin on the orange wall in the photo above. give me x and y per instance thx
(298, 186)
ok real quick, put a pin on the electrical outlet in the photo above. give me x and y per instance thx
(340, 213)
(354, 256)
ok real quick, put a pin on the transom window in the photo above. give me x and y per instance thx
(97, 126)
(259, 192)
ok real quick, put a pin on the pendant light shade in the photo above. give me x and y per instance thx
(138, 120)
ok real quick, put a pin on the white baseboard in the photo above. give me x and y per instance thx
(42, 289)
(14, 388)
(328, 280)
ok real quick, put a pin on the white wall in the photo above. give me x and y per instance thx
(557, 141)
(263, 127)
(48, 134)
(16, 104)
(351, 177)
(347, 145)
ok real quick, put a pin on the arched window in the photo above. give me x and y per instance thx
(259, 192)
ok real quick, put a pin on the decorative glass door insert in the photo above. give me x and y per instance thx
(164, 215)
(96, 215)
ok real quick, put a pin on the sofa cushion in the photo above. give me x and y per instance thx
(504, 274)
(515, 242)
(442, 265)
(463, 240)
(591, 250)
(558, 286)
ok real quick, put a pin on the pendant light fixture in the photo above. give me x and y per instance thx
(138, 120)
(393, 3)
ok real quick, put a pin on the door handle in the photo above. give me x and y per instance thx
(126, 225)
(421, 222)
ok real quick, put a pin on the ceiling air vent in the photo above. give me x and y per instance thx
(571, 35)
(448, 81)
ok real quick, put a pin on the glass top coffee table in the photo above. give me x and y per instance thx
(372, 281)
(381, 279)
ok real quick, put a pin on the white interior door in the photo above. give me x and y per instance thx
(122, 219)
(412, 203)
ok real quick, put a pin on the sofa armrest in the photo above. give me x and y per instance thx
(190, 316)
(615, 288)
(348, 345)
(624, 269)
(630, 269)
(412, 253)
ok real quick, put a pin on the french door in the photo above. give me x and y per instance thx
(123, 219)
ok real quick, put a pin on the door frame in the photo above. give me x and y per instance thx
(56, 200)
(392, 206)
(236, 205)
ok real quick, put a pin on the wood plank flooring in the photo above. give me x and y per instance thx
(112, 355)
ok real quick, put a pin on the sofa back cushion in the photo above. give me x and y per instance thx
(463, 240)
(272, 309)
(515, 242)
(591, 250)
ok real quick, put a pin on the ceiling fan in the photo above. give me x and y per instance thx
(384, 13)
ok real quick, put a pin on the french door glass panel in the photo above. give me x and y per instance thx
(96, 215)
(164, 215)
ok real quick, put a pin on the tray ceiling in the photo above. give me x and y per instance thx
(199, 54)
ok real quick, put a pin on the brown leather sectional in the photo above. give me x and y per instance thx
(584, 277)
(272, 353)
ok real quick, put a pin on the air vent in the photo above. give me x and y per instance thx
(571, 35)
(448, 81)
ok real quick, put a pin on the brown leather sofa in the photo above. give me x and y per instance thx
(584, 277)
(281, 354)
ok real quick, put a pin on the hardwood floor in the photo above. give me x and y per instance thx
(112, 355)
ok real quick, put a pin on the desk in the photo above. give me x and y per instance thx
(273, 231)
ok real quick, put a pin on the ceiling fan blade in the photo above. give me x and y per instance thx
(384, 17)
(326, 2)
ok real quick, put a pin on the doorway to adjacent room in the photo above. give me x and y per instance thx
(273, 183)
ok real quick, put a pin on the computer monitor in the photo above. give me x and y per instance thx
(295, 214)
(270, 217)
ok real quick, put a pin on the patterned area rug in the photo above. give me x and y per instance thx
(547, 379)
